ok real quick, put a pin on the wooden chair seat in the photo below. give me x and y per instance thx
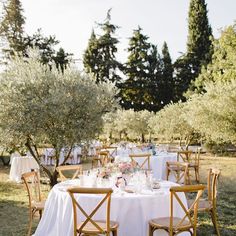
(177, 168)
(193, 165)
(91, 229)
(38, 205)
(164, 223)
(175, 225)
(203, 205)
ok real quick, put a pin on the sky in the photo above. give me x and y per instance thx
(72, 21)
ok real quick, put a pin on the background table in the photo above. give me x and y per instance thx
(132, 211)
(20, 165)
(157, 162)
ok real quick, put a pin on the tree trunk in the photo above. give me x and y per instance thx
(142, 138)
(52, 176)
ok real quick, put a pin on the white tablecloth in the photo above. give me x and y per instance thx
(49, 153)
(132, 211)
(157, 162)
(20, 165)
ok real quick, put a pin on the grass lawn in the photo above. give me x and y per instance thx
(14, 201)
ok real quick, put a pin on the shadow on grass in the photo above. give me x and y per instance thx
(15, 218)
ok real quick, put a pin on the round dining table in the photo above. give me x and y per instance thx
(131, 210)
(157, 161)
(21, 165)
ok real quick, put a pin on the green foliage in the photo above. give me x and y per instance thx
(99, 58)
(17, 43)
(199, 36)
(167, 82)
(199, 49)
(127, 124)
(12, 27)
(171, 123)
(39, 105)
(223, 66)
(213, 113)
(143, 70)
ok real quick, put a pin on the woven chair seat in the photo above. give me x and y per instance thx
(38, 205)
(164, 223)
(91, 229)
(203, 205)
(192, 165)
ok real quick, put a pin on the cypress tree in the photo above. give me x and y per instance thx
(90, 57)
(140, 90)
(199, 44)
(167, 83)
(199, 49)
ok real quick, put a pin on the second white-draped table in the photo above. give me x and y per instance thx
(21, 165)
(157, 162)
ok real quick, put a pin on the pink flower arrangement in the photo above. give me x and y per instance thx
(126, 167)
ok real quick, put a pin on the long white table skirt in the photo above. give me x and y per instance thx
(20, 165)
(132, 211)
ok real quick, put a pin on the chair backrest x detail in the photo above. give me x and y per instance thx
(142, 160)
(188, 216)
(179, 171)
(106, 198)
(213, 177)
(65, 168)
(32, 184)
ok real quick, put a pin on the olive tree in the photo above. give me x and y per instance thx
(171, 123)
(213, 113)
(41, 105)
(128, 124)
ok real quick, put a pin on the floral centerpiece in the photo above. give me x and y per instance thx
(126, 167)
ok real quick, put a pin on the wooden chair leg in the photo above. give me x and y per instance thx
(167, 174)
(150, 232)
(114, 233)
(40, 214)
(30, 223)
(214, 221)
(197, 175)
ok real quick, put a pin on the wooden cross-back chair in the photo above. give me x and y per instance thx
(175, 225)
(184, 155)
(194, 163)
(36, 204)
(77, 169)
(112, 150)
(209, 204)
(193, 159)
(101, 158)
(179, 170)
(142, 160)
(91, 226)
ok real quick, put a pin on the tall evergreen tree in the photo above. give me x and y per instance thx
(90, 57)
(99, 57)
(199, 44)
(62, 59)
(167, 83)
(140, 90)
(199, 48)
(12, 28)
